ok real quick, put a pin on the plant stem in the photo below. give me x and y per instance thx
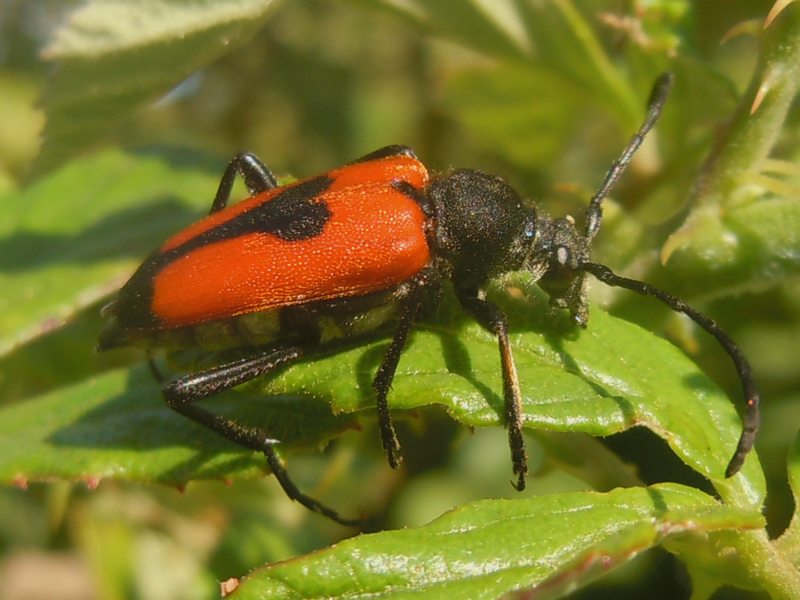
(752, 132)
(778, 576)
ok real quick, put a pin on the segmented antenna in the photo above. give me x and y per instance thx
(594, 212)
(752, 418)
(594, 217)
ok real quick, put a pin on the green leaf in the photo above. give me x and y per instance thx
(548, 51)
(789, 542)
(117, 426)
(494, 105)
(601, 381)
(742, 248)
(490, 28)
(552, 544)
(73, 237)
(114, 57)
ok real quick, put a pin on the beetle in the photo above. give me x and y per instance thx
(339, 255)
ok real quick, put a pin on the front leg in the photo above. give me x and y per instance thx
(492, 318)
(422, 282)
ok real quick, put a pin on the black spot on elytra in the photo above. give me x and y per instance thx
(416, 194)
(295, 214)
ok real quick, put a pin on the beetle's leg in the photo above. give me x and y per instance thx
(209, 382)
(387, 152)
(493, 319)
(383, 378)
(154, 370)
(183, 392)
(293, 493)
(257, 177)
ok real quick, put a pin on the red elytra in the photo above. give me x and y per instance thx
(374, 238)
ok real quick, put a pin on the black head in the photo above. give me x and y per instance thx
(555, 260)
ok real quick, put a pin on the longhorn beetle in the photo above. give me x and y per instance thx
(338, 255)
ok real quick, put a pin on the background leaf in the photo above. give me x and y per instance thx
(114, 58)
(70, 239)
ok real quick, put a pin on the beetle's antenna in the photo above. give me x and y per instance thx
(752, 418)
(594, 212)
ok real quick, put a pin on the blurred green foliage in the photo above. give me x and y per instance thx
(141, 104)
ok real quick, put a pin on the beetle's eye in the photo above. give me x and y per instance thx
(530, 229)
(562, 255)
